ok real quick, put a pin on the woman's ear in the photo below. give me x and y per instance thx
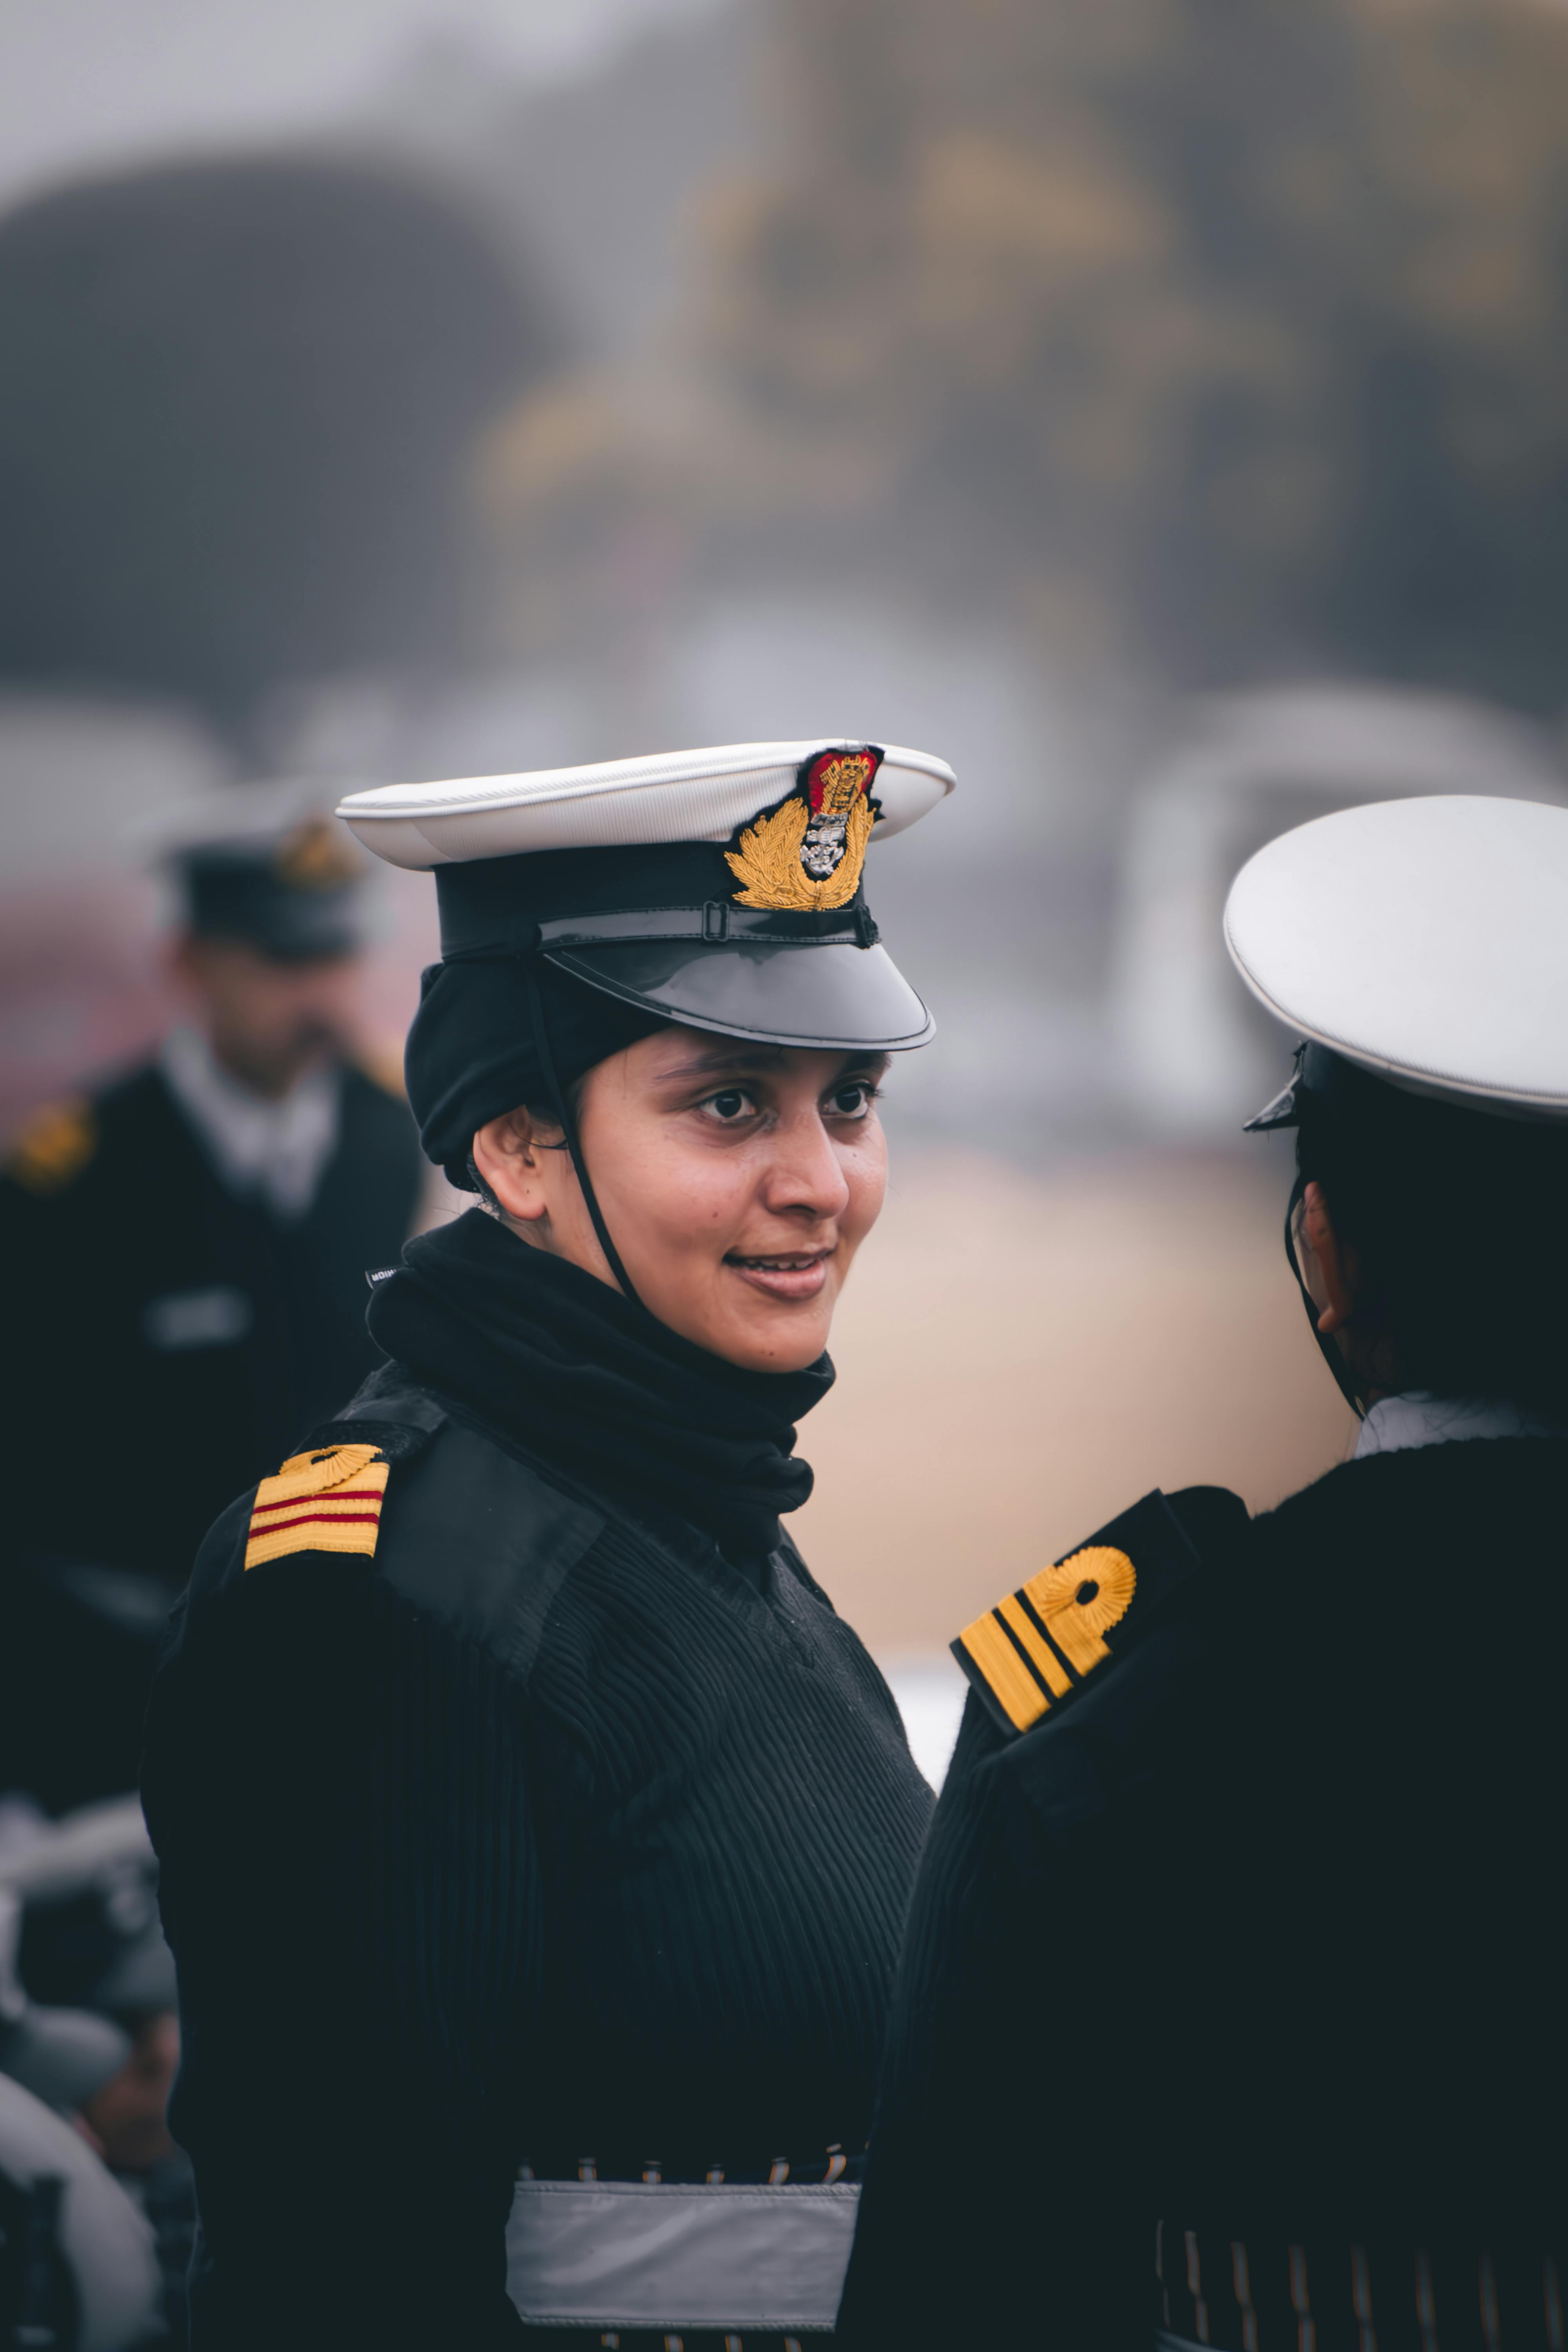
(1336, 1267)
(507, 1155)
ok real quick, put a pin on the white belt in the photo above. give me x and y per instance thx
(667, 2256)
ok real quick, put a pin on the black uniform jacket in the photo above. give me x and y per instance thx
(1234, 1999)
(543, 1834)
(170, 1343)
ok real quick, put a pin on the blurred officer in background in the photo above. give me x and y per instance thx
(186, 1257)
(1231, 2007)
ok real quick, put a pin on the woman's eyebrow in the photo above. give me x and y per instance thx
(742, 1058)
(760, 1057)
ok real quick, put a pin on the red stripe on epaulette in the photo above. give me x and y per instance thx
(334, 1494)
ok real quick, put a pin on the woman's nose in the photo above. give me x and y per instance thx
(804, 1172)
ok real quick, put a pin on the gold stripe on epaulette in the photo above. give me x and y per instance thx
(55, 1146)
(326, 1501)
(1043, 1639)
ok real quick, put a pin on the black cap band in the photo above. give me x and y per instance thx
(245, 899)
(510, 905)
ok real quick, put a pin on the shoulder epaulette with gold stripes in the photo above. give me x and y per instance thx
(54, 1145)
(326, 1501)
(1039, 1645)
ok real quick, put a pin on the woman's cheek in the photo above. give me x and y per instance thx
(866, 1177)
(691, 1210)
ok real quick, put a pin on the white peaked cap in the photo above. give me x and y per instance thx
(1425, 939)
(671, 796)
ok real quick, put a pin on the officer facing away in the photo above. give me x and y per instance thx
(185, 1256)
(1231, 2009)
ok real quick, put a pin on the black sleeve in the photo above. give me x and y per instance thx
(1008, 2197)
(337, 1793)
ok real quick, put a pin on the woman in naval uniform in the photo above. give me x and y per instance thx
(1231, 2012)
(535, 1839)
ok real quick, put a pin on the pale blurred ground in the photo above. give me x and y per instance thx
(1022, 1356)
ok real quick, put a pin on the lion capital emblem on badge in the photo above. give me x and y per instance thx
(806, 855)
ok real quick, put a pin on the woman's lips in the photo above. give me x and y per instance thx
(783, 1274)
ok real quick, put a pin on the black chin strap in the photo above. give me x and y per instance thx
(568, 1126)
(1332, 1355)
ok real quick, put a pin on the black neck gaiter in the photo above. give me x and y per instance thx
(577, 1375)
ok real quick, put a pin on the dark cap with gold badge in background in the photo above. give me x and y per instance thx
(264, 863)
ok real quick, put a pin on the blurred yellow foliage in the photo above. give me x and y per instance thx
(1247, 325)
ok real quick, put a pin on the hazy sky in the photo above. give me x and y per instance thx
(84, 83)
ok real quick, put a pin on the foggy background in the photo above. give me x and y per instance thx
(1158, 408)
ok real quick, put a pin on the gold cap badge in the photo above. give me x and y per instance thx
(805, 856)
(314, 856)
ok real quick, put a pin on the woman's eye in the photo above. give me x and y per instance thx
(730, 1105)
(854, 1098)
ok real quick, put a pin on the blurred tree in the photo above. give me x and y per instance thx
(1233, 332)
(239, 402)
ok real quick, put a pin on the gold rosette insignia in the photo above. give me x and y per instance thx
(1080, 1599)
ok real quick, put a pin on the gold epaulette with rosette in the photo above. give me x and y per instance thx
(1039, 1644)
(1036, 1649)
(326, 1501)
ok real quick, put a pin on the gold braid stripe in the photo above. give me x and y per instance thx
(1077, 1602)
(329, 1501)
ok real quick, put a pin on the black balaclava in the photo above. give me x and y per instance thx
(1316, 1092)
(1378, 1148)
(499, 1032)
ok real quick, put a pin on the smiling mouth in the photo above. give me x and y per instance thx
(783, 1274)
(781, 1261)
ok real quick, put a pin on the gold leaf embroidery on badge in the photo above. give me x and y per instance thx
(806, 857)
(767, 861)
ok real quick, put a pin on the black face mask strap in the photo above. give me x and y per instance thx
(568, 1126)
(1330, 1353)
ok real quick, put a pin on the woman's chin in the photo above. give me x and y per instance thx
(740, 1322)
(770, 1338)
